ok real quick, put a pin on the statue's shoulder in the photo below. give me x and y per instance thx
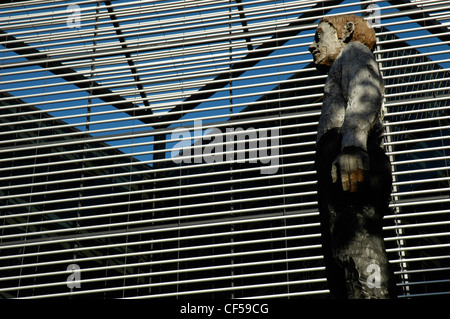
(356, 48)
(356, 53)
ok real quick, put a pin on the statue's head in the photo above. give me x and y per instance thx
(334, 32)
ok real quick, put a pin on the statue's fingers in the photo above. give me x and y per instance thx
(353, 181)
(360, 175)
(345, 180)
(334, 176)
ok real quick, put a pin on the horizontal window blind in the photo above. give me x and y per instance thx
(155, 149)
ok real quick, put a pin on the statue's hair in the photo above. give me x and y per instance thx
(363, 32)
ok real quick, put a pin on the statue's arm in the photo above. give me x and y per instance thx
(362, 86)
(363, 83)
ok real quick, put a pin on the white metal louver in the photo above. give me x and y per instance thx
(166, 148)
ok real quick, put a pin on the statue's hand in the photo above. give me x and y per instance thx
(352, 165)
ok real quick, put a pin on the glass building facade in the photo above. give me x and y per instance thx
(156, 149)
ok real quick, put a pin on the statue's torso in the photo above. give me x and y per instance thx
(354, 73)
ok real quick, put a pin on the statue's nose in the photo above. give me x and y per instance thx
(312, 47)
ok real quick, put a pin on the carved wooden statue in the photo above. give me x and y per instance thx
(354, 173)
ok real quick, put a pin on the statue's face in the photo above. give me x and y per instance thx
(326, 46)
